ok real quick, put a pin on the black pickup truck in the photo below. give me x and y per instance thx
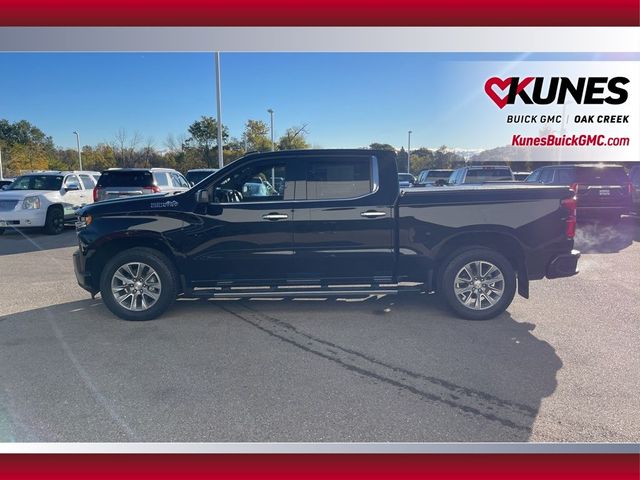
(322, 223)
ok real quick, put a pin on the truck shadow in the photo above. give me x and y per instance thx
(607, 237)
(14, 241)
(441, 378)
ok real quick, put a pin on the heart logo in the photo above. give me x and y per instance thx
(503, 85)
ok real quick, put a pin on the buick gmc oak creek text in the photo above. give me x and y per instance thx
(325, 223)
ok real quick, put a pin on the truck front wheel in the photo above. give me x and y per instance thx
(478, 283)
(138, 284)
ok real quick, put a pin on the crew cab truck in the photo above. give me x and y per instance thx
(340, 226)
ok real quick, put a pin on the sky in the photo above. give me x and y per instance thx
(347, 99)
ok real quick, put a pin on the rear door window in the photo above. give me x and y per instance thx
(87, 181)
(338, 178)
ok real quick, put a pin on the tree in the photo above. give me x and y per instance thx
(294, 138)
(23, 133)
(382, 146)
(256, 136)
(204, 133)
(27, 157)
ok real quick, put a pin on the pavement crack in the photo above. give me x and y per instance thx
(468, 401)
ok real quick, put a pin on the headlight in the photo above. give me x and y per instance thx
(31, 202)
(83, 221)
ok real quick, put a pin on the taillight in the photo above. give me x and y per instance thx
(570, 204)
(150, 189)
(630, 188)
(574, 187)
(95, 194)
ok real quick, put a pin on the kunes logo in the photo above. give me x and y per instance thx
(542, 91)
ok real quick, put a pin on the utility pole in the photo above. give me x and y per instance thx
(1, 177)
(409, 153)
(273, 145)
(219, 108)
(273, 148)
(78, 144)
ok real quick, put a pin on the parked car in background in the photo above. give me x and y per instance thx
(45, 199)
(474, 174)
(634, 177)
(342, 227)
(520, 176)
(5, 182)
(127, 182)
(196, 175)
(406, 180)
(601, 190)
(431, 176)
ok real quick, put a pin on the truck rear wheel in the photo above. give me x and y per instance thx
(138, 284)
(478, 283)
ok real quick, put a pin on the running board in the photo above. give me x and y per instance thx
(284, 293)
(288, 291)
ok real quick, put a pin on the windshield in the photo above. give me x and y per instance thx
(37, 182)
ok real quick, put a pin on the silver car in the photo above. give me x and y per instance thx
(126, 182)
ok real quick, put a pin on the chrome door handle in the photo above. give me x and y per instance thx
(275, 216)
(372, 214)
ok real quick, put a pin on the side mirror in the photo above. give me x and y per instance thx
(202, 196)
(72, 186)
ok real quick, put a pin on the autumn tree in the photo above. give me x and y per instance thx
(256, 136)
(294, 138)
(204, 133)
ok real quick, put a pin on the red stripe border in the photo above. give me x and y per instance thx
(319, 13)
(315, 466)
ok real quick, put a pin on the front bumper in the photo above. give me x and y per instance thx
(563, 265)
(23, 218)
(82, 275)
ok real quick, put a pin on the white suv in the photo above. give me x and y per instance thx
(45, 199)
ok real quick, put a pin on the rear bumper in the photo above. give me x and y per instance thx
(594, 211)
(82, 276)
(564, 265)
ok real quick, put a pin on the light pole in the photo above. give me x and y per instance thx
(273, 148)
(273, 145)
(219, 112)
(78, 144)
(409, 153)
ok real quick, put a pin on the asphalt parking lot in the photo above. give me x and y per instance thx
(562, 366)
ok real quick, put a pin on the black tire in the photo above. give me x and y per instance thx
(165, 271)
(1, 231)
(54, 223)
(455, 265)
